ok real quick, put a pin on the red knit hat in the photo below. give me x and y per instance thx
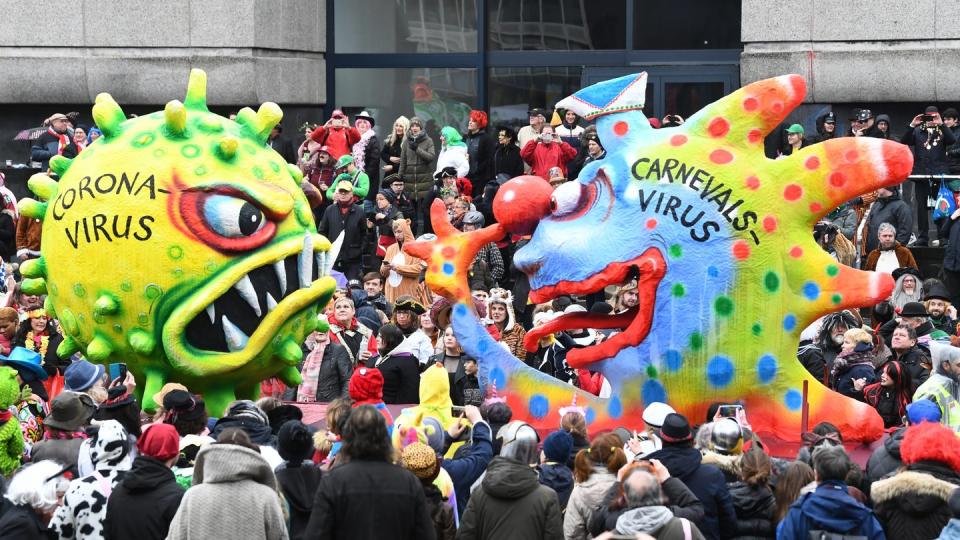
(931, 442)
(159, 441)
(366, 386)
(480, 118)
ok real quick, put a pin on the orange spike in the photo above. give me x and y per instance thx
(747, 115)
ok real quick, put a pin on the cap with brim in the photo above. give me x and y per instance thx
(931, 109)
(345, 185)
(537, 111)
(81, 375)
(58, 116)
(446, 171)
(364, 115)
(655, 413)
(70, 411)
(344, 160)
(796, 129)
(26, 362)
(325, 149)
(166, 389)
(409, 304)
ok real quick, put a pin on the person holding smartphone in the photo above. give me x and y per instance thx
(928, 139)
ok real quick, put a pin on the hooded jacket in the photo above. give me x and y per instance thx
(879, 134)
(511, 504)
(403, 277)
(656, 521)
(707, 483)
(512, 333)
(586, 496)
(829, 508)
(682, 503)
(417, 159)
(822, 134)
(890, 210)
(755, 508)
(234, 495)
(559, 478)
(401, 374)
(453, 154)
(914, 503)
(299, 483)
(85, 503)
(144, 502)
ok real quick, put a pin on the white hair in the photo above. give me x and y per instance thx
(886, 227)
(33, 486)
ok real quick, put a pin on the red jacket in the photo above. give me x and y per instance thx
(339, 140)
(543, 157)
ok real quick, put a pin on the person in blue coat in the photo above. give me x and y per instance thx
(472, 459)
(830, 508)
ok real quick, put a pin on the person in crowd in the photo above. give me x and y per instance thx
(406, 317)
(392, 147)
(461, 206)
(472, 459)
(38, 334)
(794, 477)
(913, 359)
(246, 416)
(914, 503)
(936, 301)
(595, 150)
(278, 142)
(826, 127)
(888, 208)
(336, 134)
(891, 395)
(394, 192)
(503, 325)
(829, 508)
(51, 142)
(854, 367)
(453, 153)
(188, 415)
(943, 386)
(725, 447)
(795, 140)
(575, 423)
(327, 366)
(928, 138)
(569, 129)
(64, 431)
(646, 513)
(886, 459)
(487, 268)
(400, 270)
(544, 152)
(753, 498)
(883, 127)
(369, 480)
(949, 233)
(550, 356)
(399, 366)
(347, 331)
(84, 505)
(347, 170)
(907, 288)
(421, 460)
(595, 470)
(32, 497)
(417, 166)
(451, 357)
(28, 237)
(556, 177)
(297, 476)
(830, 338)
(705, 481)
(373, 286)
(506, 155)
(8, 223)
(537, 120)
(510, 503)
(554, 472)
(78, 140)
(345, 217)
(889, 253)
(480, 148)
(366, 152)
(318, 168)
(231, 470)
(146, 499)
(863, 124)
(433, 333)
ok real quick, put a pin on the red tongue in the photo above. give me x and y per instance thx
(578, 320)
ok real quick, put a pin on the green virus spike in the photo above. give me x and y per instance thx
(197, 91)
(60, 164)
(32, 208)
(43, 186)
(99, 350)
(295, 172)
(227, 148)
(106, 304)
(108, 115)
(67, 347)
(260, 123)
(290, 376)
(289, 351)
(34, 286)
(175, 116)
(141, 341)
(49, 308)
(33, 268)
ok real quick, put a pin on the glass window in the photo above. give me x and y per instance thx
(686, 98)
(440, 97)
(515, 90)
(687, 24)
(405, 26)
(559, 25)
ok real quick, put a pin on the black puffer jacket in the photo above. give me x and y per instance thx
(511, 504)
(755, 507)
(914, 503)
(143, 503)
(299, 483)
(886, 459)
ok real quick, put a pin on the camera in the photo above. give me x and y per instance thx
(824, 229)
(926, 118)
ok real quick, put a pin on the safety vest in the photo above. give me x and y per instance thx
(943, 391)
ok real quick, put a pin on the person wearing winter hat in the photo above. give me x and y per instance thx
(348, 171)
(423, 462)
(297, 476)
(554, 472)
(146, 499)
(943, 386)
(654, 415)
(366, 388)
(245, 415)
(480, 148)
(914, 503)
(417, 160)
(336, 134)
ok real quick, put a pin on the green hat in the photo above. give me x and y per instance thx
(794, 128)
(347, 159)
(344, 177)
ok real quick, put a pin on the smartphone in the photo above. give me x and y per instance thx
(118, 372)
(457, 410)
(926, 118)
(730, 411)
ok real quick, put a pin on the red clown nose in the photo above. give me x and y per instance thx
(521, 203)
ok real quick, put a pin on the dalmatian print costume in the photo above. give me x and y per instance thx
(85, 502)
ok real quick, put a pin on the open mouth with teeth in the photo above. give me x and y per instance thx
(250, 300)
(650, 268)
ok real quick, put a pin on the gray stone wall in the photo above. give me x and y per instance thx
(856, 51)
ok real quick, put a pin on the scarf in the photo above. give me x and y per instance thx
(307, 391)
(62, 140)
(360, 148)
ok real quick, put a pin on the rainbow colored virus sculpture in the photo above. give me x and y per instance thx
(180, 244)
(720, 239)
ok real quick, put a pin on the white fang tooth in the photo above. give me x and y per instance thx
(212, 314)
(321, 263)
(281, 271)
(333, 253)
(305, 260)
(271, 303)
(236, 339)
(246, 290)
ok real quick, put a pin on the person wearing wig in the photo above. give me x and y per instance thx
(480, 148)
(830, 338)
(891, 395)
(908, 288)
(453, 152)
(33, 496)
